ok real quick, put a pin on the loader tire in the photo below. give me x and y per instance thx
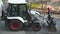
(15, 25)
(36, 27)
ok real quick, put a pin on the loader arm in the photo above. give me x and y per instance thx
(41, 18)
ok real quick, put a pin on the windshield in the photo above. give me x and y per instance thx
(17, 10)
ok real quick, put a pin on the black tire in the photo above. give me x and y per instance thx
(15, 25)
(36, 27)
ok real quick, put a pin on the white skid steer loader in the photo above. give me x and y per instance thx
(18, 16)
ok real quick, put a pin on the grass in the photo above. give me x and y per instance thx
(36, 5)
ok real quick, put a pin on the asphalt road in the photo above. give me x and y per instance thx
(44, 30)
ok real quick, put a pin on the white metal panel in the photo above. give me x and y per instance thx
(17, 1)
(19, 18)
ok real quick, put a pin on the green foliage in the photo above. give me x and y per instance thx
(35, 5)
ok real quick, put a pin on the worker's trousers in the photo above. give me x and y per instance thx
(0, 13)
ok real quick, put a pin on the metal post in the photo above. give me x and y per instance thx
(42, 3)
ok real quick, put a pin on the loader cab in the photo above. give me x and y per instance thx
(17, 10)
